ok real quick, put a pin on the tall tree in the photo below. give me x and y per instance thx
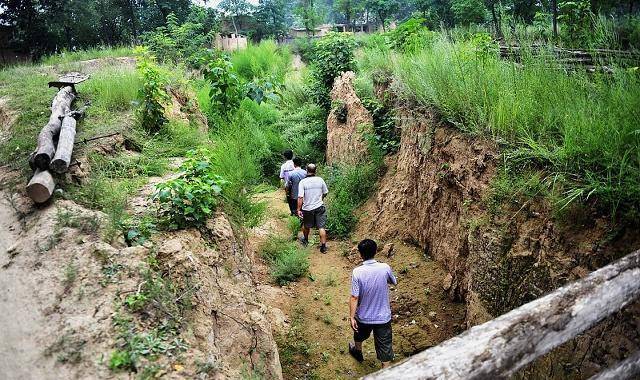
(383, 10)
(311, 13)
(271, 18)
(348, 9)
(235, 9)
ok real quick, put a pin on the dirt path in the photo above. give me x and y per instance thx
(314, 343)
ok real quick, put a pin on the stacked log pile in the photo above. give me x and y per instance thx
(56, 139)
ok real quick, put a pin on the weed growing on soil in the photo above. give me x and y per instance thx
(192, 197)
(293, 347)
(68, 348)
(287, 260)
(293, 225)
(70, 274)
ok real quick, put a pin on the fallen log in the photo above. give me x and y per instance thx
(62, 158)
(628, 369)
(60, 106)
(498, 348)
(41, 186)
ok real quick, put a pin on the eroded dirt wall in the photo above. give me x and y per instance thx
(435, 194)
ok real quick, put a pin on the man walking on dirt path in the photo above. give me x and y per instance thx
(369, 307)
(311, 193)
(286, 168)
(295, 176)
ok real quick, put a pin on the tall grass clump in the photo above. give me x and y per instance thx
(114, 88)
(288, 262)
(349, 187)
(261, 61)
(581, 128)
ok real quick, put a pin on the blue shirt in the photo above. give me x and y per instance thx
(369, 283)
(295, 176)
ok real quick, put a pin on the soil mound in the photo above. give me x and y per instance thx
(346, 124)
(65, 289)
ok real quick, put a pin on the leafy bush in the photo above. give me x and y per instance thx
(577, 18)
(152, 93)
(386, 135)
(332, 55)
(191, 198)
(175, 42)
(467, 12)
(304, 48)
(287, 260)
(411, 35)
(226, 91)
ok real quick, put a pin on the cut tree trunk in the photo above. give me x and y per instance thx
(628, 369)
(498, 348)
(60, 106)
(62, 159)
(41, 186)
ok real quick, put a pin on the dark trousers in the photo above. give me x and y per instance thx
(293, 205)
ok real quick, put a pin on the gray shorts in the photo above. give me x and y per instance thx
(382, 338)
(315, 218)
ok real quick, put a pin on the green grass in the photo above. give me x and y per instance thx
(582, 129)
(263, 61)
(113, 88)
(287, 260)
(83, 55)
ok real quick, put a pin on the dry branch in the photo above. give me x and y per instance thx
(498, 348)
(60, 106)
(41, 186)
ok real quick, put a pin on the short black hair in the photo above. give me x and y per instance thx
(288, 154)
(367, 249)
(297, 161)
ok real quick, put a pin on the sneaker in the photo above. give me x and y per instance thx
(304, 241)
(323, 248)
(357, 354)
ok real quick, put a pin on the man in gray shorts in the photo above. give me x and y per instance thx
(311, 193)
(369, 307)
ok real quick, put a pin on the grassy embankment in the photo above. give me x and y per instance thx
(571, 137)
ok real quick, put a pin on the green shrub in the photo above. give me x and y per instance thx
(411, 36)
(262, 61)
(291, 264)
(349, 188)
(333, 54)
(226, 91)
(152, 93)
(287, 260)
(175, 42)
(191, 198)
